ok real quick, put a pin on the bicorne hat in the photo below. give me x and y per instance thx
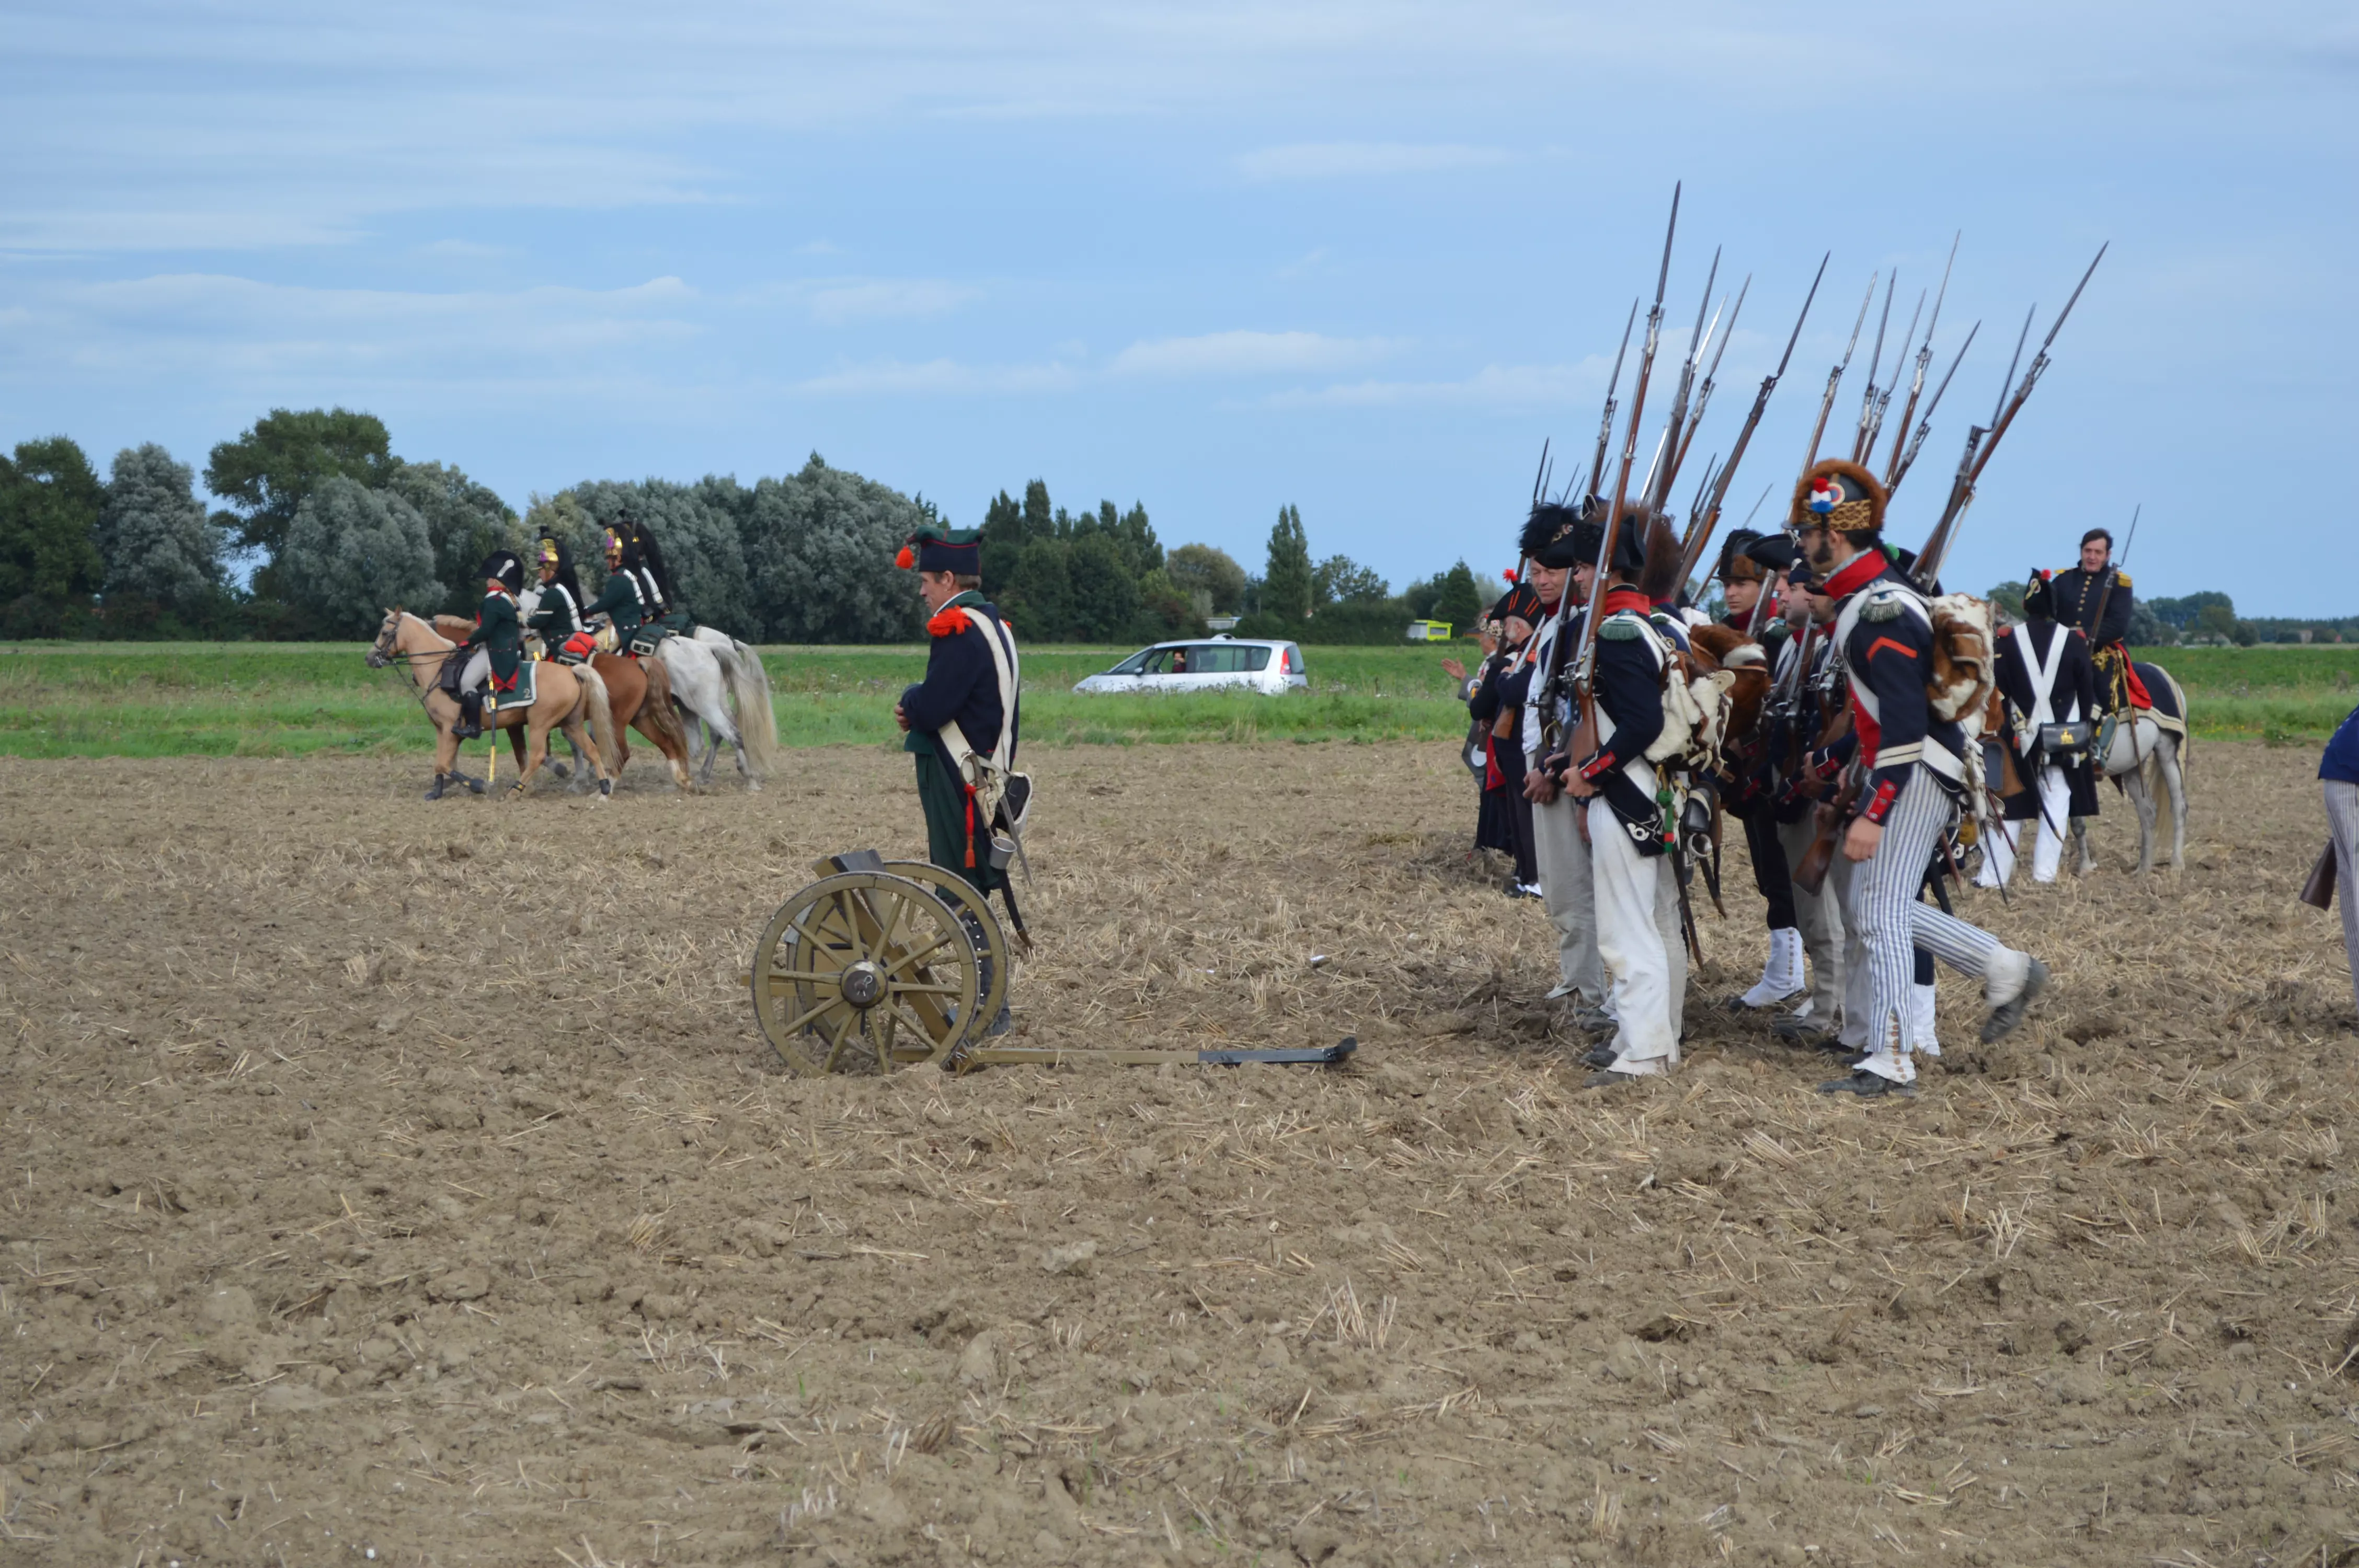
(955, 550)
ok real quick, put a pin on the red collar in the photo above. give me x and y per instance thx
(1619, 599)
(1866, 570)
(1547, 606)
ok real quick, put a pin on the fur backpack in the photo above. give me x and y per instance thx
(1965, 670)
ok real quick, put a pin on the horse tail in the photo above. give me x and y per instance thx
(663, 717)
(757, 721)
(601, 717)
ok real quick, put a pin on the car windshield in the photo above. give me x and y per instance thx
(1136, 664)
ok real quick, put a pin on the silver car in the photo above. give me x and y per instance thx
(1213, 664)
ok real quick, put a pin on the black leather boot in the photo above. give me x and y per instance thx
(471, 715)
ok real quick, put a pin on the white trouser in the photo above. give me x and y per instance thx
(2055, 819)
(1821, 920)
(1638, 938)
(478, 670)
(1999, 837)
(2343, 825)
(1887, 923)
(1565, 886)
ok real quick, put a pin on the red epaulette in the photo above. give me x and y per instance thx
(949, 623)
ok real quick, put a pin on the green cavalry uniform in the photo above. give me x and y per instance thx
(621, 602)
(499, 633)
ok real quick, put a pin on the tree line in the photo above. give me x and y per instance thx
(324, 525)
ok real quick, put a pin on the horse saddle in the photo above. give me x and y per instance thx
(648, 639)
(520, 694)
(577, 649)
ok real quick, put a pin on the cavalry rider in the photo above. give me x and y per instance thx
(1550, 543)
(1635, 887)
(559, 614)
(969, 690)
(629, 598)
(1912, 769)
(2046, 677)
(1752, 565)
(664, 608)
(2078, 591)
(497, 640)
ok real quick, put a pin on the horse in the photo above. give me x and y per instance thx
(640, 695)
(560, 699)
(755, 729)
(2147, 758)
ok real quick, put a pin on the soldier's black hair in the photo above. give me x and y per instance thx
(2105, 534)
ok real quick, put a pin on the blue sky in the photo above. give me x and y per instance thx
(1359, 257)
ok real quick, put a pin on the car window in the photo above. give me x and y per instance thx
(1293, 660)
(1134, 665)
(1211, 659)
(1254, 659)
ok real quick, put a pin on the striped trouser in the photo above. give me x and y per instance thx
(2342, 823)
(1884, 922)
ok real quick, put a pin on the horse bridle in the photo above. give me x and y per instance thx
(381, 654)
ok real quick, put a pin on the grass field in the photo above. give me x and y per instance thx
(87, 700)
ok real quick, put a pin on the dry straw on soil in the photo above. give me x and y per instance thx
(408, 1179)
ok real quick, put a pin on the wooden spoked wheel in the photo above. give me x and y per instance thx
(864, 969)
(982, 926)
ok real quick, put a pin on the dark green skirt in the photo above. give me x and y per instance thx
(947, 841)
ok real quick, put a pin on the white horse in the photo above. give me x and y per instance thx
(2147, 756)
(749, 683)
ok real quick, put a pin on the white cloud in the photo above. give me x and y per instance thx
(1247, 353)
(940, 377)
(835, 304)
(1334, 160)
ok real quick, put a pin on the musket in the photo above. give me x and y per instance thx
(1875, 365)
(1700, 537)
(1917, 382)
(1980, 442)
(1539, 478)
(1925, 426)
(1834, 378)
(1884, 394)
(1704, 393)
(1658, 489)
(1583, 686)
(1605, 422)
(1654, 466)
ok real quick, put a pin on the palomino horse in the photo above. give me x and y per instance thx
(558, 699)
(2146, 759)
(639, 695)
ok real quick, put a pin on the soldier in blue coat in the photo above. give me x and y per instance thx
(969, 683)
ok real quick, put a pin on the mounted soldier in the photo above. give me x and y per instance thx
(2094, 597)
(629, 598)
(2050, 685)
(559, 615)
(1910, 769)
(497, 640)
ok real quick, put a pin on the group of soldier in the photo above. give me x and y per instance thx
(636, 600)
(1852, 786)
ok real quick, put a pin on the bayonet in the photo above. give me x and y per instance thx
(1892, 465)
(1605, 423)
(1657, 491)
(1925, 426)
(1699, 537)
(1704, 393)
(1834, 378)
(1884, 394)
(1874, 366)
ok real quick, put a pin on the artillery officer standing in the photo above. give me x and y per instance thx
(966, 709)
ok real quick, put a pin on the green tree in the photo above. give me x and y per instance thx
(153, 535)
(1339, 579)
(2007, 595)
(465, 520)
(697, 529)
(1460, 602)
(268, 471)
(350, 553)
(1039, 599)
(1286, 582)
(50, 503)
(2219, 620)
(1039, 521)
(1104, 595)
(1133, 535)
(1002, 539)
(1207, 576)
(820, 546)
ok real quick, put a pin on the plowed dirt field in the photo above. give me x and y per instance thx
(397, 1183)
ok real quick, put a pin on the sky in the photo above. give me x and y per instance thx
(1359, 257)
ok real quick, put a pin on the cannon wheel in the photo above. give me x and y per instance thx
(982, 926)
(863, 971)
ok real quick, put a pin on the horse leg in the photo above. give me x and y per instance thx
(535, 756)
(576, 735)
(446, 753)
(2174, 780)
(2142, 796)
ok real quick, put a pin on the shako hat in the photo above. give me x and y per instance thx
(955, 550)
(1839, 495)
(503, 567)
(1522, 602)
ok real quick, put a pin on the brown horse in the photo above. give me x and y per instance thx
(638, 694)
(559, 699)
